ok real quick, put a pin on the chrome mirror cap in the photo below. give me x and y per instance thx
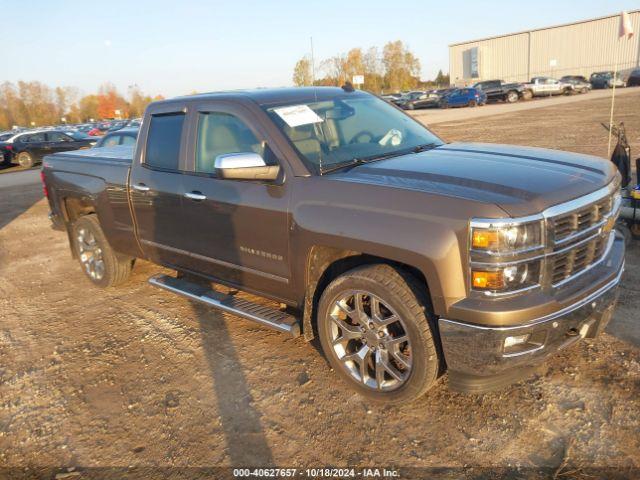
(245, 166)
(239, 160)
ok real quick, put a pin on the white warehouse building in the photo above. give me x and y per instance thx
(578, 48)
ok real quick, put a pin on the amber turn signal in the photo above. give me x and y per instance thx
(484, 238)
(488, 280)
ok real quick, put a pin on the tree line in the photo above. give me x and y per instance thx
(36, 104)
(394, 69)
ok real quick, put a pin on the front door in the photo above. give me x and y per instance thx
(237, 230)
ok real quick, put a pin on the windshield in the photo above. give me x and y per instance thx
(332, 132)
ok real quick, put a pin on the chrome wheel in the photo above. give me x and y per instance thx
(370, 340)
(90, 254)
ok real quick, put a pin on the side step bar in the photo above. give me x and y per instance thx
(266, 316)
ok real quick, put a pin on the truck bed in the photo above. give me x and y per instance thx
(99, 175)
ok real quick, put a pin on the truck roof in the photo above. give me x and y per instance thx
(275, 96)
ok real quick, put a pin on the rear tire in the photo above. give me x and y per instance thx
(359, 345)
(25, 160)
(100, 263)
(512, 96)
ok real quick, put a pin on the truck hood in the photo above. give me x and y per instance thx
(520, 180)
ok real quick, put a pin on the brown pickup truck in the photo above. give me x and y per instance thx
(407, 256)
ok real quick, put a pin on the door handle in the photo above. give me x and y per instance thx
(197, 196)
(141, 187)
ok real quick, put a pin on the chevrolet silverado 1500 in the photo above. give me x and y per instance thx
(405, 255)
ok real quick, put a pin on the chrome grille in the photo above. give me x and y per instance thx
(572, 224)
(577, 259)
(577, 239)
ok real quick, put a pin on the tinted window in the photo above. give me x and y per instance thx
(33, 138)
(127, 140)
(163, 143)
(57, 137)
(220, 133)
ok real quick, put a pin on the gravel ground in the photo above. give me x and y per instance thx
(135, 377)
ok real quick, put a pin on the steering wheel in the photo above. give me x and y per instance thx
(356, 137)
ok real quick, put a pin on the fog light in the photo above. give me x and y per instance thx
(515, 340)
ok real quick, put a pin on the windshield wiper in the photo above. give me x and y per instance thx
(354, 162)
(424, 147)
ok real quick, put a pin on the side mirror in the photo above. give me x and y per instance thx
(245, 166)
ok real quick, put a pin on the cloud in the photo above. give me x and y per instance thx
(107, 43)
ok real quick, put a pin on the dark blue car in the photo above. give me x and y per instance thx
(464, 97)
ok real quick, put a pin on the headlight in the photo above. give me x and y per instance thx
(505, 255)
(506, 239)
(506, 279)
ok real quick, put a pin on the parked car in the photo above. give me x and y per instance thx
(420, 100)
(117, 125)
(580, 83)
(507, 92)
(634, 78)
(606, 80)
(463, 97)
(465, 270)
(28, 148)
(124, 136)
(547, 86)
(405, 97)
(391, 96)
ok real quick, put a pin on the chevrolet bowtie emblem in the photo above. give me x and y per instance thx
(609, 224)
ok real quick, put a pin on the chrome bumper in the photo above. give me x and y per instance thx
(476, 357)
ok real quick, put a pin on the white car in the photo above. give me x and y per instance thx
(546, 86)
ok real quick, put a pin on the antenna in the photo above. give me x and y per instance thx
(313, 64)
(315, 94)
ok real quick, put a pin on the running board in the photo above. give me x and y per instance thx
(240, 307)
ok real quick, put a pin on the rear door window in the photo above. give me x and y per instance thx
(58, 137)
(163, 142)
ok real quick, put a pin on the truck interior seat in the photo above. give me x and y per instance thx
(305, 140)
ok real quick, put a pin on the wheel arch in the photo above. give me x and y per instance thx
(325, 263)
(72, 209)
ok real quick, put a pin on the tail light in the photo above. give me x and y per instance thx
(8, 147)
(44, 185)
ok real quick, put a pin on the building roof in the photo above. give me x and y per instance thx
(541, 28)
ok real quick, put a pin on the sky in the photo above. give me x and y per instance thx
(178, 47)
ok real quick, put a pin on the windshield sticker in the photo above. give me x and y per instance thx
(297, 115)
(393, 137)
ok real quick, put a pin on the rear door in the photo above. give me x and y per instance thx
(157, 187)
(35, 144)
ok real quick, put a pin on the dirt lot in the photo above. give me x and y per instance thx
(136, 377)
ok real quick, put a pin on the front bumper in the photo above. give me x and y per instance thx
(477, 360)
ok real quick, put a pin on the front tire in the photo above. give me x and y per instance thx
(472, 103)
(374, 324)
(25, 160)
(100, 263)
(527, 95)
